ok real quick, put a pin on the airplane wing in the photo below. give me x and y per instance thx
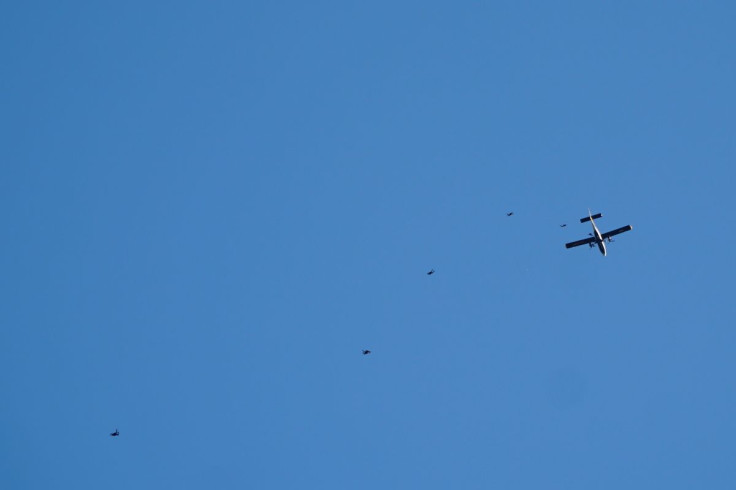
(611, 233)
(584, 241)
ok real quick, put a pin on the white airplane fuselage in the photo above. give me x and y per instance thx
(597, 235)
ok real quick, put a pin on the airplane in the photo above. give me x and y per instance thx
(115, 434)
(597, 238)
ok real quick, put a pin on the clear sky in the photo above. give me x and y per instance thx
(210, 208)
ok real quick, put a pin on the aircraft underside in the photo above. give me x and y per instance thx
(597, 238)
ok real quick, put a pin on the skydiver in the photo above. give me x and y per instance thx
(430, 272)
(563, 225)
(115, 434)
(511, 213)
(366, 352)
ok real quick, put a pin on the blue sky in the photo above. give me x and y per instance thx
(210, 208)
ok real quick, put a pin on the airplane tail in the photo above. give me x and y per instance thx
(590, 217)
